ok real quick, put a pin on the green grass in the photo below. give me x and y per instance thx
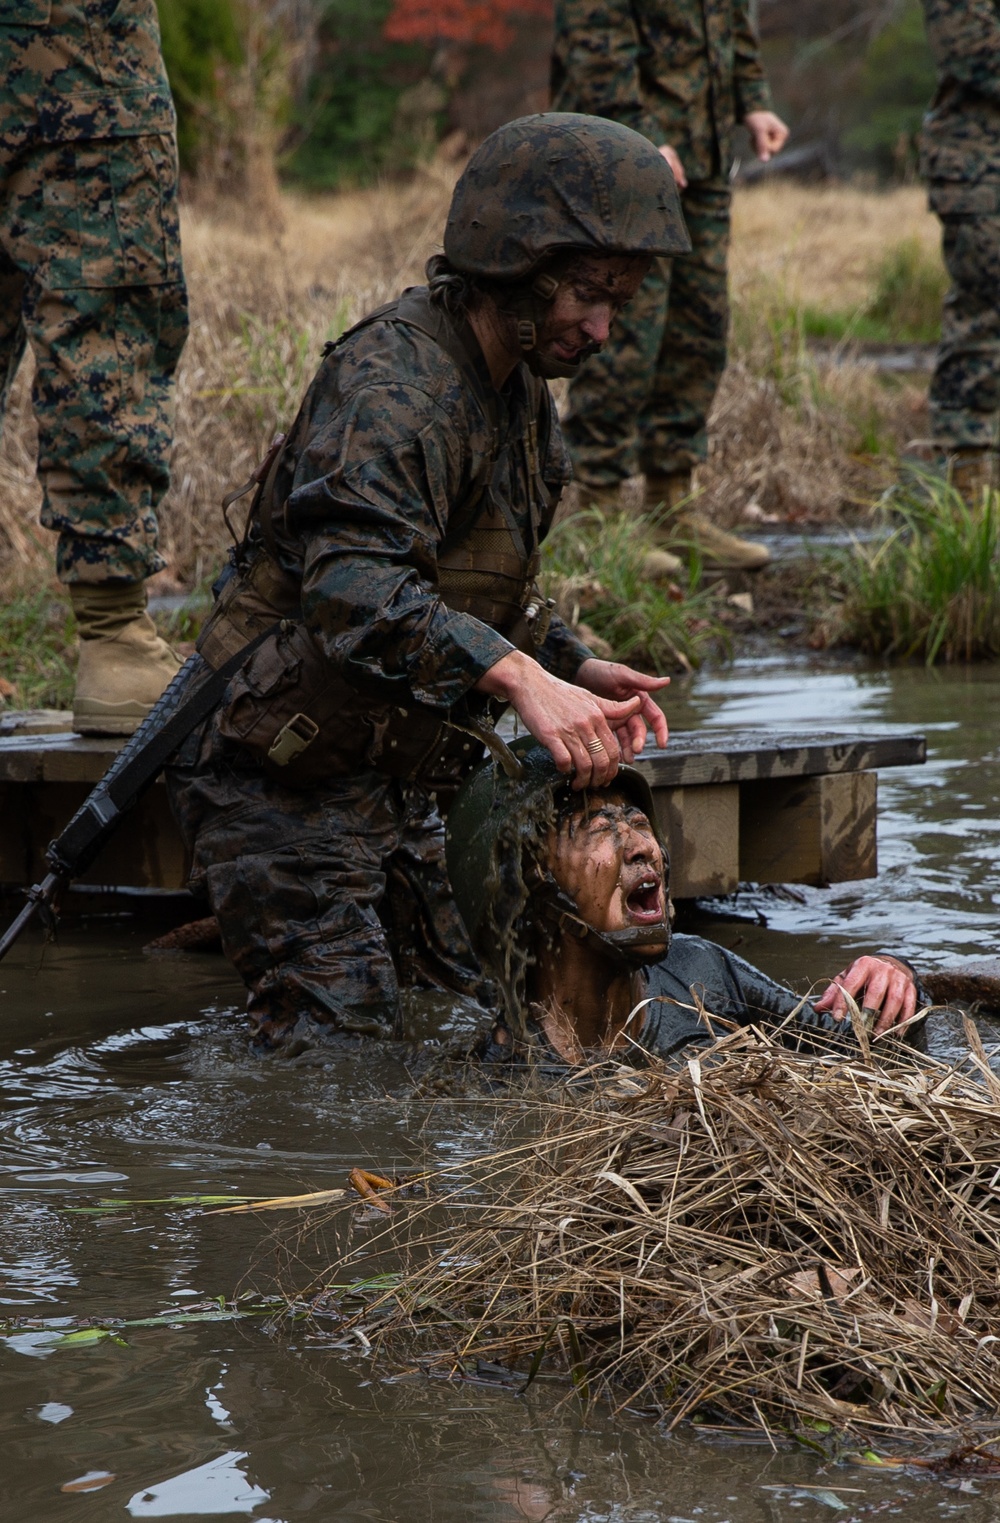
(908, 288)
(931, 589)
(593, 562)
(36, 647)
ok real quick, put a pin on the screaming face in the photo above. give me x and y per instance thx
(606, 858)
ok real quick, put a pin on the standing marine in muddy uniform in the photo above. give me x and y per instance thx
(91, 280)
(392, 553)
(683, 73)
(960, 159)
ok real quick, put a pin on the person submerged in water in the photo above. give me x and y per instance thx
(566, 897)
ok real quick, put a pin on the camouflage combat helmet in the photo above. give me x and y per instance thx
(553, 182)
(485, 840)
(561, 180)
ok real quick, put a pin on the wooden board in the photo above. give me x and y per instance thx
(809, 830)
(702, 829)
(146, 851)
(734, 807)
(706, 756)
(692, 758)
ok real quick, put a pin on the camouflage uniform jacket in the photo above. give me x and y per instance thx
(961, 134)
(400, 446)
(681, 72)
(73, 70)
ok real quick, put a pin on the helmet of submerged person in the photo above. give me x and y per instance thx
(495, 821)
(555, 182)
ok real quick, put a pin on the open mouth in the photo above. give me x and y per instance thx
(643, 902)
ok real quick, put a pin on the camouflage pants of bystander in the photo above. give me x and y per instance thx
(965, 389)
(91, 280)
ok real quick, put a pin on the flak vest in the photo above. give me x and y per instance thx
(287, 706)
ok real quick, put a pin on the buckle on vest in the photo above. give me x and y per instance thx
(538, 617)
(292, 739)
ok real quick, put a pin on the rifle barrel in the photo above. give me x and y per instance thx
(39, 894)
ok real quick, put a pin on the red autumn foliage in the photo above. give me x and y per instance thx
(486, 22)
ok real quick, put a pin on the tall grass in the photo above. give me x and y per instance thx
(931, 589)
(903, 305)
(36, 636)
(593, 566)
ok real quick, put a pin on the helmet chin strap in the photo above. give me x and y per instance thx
(630, 946)
(530, 312)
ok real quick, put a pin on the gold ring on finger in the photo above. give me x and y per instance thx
(595, 746)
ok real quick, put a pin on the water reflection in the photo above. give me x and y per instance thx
(213, 1489)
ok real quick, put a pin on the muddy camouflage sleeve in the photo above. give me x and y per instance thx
(597, 60)
(383, 468)
(749, 83)
(563, 653)
(964, 37)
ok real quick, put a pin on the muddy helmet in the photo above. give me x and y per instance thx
(554, 183)
(484, 843)
(561, 180)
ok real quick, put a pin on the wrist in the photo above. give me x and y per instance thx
(504, 679)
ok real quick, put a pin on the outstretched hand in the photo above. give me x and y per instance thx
(875, 983)
(611, 679)
(588, 727)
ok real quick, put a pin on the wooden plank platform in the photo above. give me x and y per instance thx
(736, 807)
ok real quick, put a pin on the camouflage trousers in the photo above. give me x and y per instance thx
(965, 388)
(642, 403)
(91, 279)
(329, 900)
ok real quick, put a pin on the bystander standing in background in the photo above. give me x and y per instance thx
(960, 159)
(683, 73)
(91, 280)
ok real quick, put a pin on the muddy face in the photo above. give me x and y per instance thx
(607, 859)
(591, 293)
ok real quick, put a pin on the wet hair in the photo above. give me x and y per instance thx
(459, 293)
(513, 932)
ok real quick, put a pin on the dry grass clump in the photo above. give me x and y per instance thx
(787, 1243)
(263, 305)
(821, 243)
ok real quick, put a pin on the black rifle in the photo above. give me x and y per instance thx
(190, 698)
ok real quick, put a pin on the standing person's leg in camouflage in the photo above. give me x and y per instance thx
(328, 900)
(13, 338)
(965, 387)
(89, 234)
(642, 403)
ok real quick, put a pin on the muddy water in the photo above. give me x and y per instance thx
(125, 1078)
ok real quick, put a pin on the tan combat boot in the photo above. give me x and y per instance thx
(719, 550)
(124, 665)
(659, 565)
(971, 471)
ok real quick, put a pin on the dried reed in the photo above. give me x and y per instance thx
(762, 1239)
